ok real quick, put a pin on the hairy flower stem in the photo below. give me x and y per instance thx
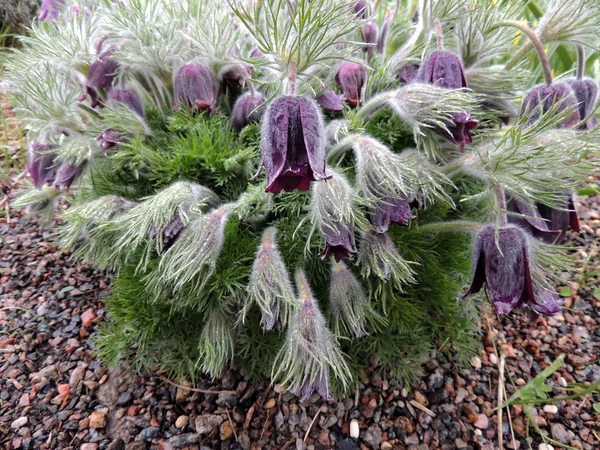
(291, 87)
(580, 62)
(440, 34)
(536, 42)
(451, 227)
(502, 218)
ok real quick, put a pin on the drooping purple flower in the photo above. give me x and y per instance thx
(195, 88)
(128, 97)
(49, 9)
(586, 93)
(320, 385)
(458, 130)
(529, 219)
(330, 101)
(247, 109)
(369, 33)
(351, 78)
(362, 8)
(443, 69)
(388, 211)
(385, 28)
(504, 267)
(561, 219)
(348, 301)
(559, 94)
(232, 78)
(292, 144)
(256, 53)
(67, 173)
(408, 72)
(109, 138)
(40, 163)
(101, 75)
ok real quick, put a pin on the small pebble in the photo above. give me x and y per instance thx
(493, 359)
(476, 362)
(354, 429)
(545, 447)
(182, 421)
(551, 409)
(562, 382)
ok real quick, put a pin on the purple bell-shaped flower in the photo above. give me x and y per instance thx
(195, 87)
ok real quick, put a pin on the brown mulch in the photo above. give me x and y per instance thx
(54, 393)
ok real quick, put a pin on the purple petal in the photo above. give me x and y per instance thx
(385, 28)
(586, 93)
(340, 242)
(390, 211)
(443, 69)
(458, 131)
(351, 78)
(49, 9)
(195, 87)
(102, 72)
(247, 110)
(67, 173)
(330, 101)
(40, 163)
(478, 260)
(128, 97)
(547, 96)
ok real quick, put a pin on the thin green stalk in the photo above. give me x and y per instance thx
(580, 62)
(451, 227)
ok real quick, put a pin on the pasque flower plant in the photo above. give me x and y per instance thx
(211, 149)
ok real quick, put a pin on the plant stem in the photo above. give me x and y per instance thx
(580, 62)
(519, 56)
(451, 226)
(535, 41)
(502, 204)
(291, 88)
(440, 34)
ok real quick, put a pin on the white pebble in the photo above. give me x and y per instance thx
(354, 429)
(21, 421)
(476, 362)
(562, 382)
(550, 409)
(493, 359)
(545, 447)
(478, 432)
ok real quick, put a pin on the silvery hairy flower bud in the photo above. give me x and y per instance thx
(270, 287)
(529, 218)
(504, 266)
(330, 101)
(101, 75)
(67, 173)
(379, 257)
(351, 77)
(41, 163)
(383, 32)
(561, 219)
(49, 9)
(541, 99)
(444, 69)
(247, 110)
(586, 93)
(369, 34)
(292, 144)
(128, 97)
(310, 351)
(332, 210)
(348, 300)
(195, 87)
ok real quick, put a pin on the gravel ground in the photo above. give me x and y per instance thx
(54, 393)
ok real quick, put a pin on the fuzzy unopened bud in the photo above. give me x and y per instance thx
(247, 109)
(333, 212)
(379, 257)
(67, 173)
(390, 210)
(101, 75)
(586, 93)
(385, 29)
(503, 265)
(310, 352)
(351, 78)
(270, 287)
(195, 87)
(129, 98)
(541, 99)
(348, 300)
(369, 33)
(41, 163)
(292, 144)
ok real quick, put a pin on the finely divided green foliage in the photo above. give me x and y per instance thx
(174, 210)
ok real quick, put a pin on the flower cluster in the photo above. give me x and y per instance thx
(376, 145)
